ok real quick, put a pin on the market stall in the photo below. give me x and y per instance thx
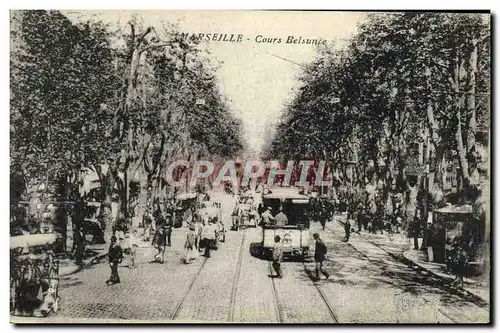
(34, 275)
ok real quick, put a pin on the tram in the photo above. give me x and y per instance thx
(295, 236)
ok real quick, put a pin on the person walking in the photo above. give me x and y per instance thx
(79, 245)
(115, 255)
(189, 246)
(280, 218)
(147, 221)
(168, 228)
(277, 257)
(198, 229)
(347, 230)
(319, 256)
(159, 242)
(323, 216)
(208, 237)
(133, 244)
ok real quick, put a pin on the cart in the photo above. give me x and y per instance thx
(33, 268)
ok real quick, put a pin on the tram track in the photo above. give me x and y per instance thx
(234, 289)
(321, 293)
(479, 303)
(188, 289)
(277, 306)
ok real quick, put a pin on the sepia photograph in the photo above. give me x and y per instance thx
(250, 167)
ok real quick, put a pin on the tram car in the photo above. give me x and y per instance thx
(295, 236)
(33, 268)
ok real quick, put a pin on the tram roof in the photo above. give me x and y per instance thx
(285, 193)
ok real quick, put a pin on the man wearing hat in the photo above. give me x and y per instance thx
(319, 256)
(115, 255)
(267, 217)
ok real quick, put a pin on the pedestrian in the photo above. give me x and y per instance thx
(134, 244)
(115, 256)
(198, 229)
(459, 261)
(168, 228)
(79, 244)
(360, 216)
(319, 256)
(119, 230)
(147, 221)
(281, 218)
(347, 229)
(323, 216)
(277, 257)
(208, 237)
(159, 242)
(189, 246)
(235, 217)
(267, 217)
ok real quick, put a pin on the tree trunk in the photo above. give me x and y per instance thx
(107, 181)
(471, 115)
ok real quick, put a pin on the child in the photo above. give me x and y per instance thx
(115, 255)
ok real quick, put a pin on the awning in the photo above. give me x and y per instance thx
(32, 240)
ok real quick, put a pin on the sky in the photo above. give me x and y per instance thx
(257, 83)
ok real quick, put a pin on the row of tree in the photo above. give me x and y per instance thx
(403, 79)
(120, 102)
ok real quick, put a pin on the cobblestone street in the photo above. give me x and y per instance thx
(367, 285)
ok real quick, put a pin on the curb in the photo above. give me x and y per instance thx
(448, 279)
(462, 291)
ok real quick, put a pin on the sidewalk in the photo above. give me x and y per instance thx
(399, 244)
(472, 286)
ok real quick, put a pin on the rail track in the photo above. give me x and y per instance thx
(277, 306)
(323, 297)
(467, 297)
(186, 292)
(234, 288)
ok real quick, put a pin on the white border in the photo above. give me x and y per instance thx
(191, 4)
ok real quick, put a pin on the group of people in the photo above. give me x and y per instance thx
(320, 252)
(203, 231)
